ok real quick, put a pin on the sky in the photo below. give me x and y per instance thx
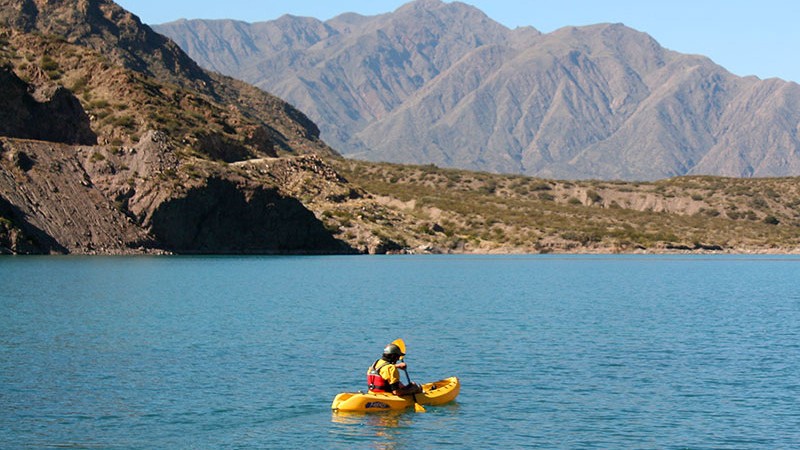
(747, 37)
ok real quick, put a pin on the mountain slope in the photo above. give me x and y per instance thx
(115, 141)
(348, 71)
(441, 83)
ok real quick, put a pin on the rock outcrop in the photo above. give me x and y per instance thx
(51, 205)
(221, 216)
(56, 116)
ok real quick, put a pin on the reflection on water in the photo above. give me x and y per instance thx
(385, 429)
(388, 430)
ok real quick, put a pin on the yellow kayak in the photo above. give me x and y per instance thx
(436, 393)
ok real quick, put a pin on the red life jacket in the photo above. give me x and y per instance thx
(375, 381)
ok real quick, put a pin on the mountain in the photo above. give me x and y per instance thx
(112, 140)
(442, 83)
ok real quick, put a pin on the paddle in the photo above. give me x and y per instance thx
(417, 407)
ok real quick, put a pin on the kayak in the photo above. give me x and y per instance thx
(436, 393)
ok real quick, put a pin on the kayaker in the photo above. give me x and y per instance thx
(383, 375)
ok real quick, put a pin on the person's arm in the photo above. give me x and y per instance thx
(399, 388)
(392, 376)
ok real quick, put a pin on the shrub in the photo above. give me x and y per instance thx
(594, 196)
(489, 188)
(758, 203)
(79, 84)
(48, 64)
(124, 121)
(542, 186)
(98, 104)
(545, 197)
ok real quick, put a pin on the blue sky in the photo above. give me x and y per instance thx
(747, 37)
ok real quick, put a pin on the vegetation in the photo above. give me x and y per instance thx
(486, 212)
(123, 104)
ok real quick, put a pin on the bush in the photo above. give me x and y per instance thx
(758, 203)
(545, 197)
(48, 64)
(542, 186)
(124, 121)
(79, 85)
(98, 104)
(489, 188)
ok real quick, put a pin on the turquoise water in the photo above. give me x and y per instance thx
(248, 352)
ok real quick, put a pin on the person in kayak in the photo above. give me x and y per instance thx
(383, 375)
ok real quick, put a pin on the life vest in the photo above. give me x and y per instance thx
(375, 381)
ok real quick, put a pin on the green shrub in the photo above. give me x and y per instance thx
(546, 197)
(98, 104)
(541, 186)
(124, 121)
(79, 85)
(48, 64)
(758, 203)
(594, 196)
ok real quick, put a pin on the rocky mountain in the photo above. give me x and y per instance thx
(442, 83)
(112, 140)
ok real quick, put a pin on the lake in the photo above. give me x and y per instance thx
(552, 351)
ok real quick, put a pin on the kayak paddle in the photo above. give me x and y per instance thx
(399, 342)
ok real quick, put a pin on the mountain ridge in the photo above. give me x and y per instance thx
(599, 101)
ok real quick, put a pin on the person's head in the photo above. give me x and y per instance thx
(392, 353)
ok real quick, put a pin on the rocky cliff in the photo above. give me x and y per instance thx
(436, 82)
(56, 116)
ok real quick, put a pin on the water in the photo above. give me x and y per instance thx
(248, 352)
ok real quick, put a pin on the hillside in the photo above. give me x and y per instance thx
(447, 210)
(442, 83)
(116, 142)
